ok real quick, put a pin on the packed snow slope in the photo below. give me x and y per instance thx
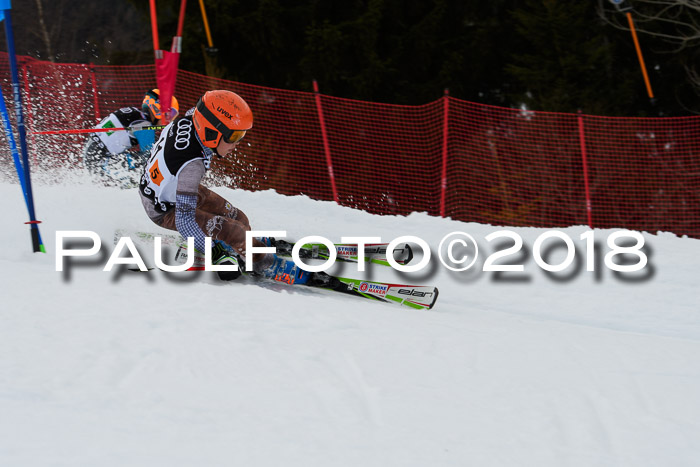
(519, 369)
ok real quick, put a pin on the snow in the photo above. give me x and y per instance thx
(144, 369)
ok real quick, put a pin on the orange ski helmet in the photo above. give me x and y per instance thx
(221, 114)
(151, 105)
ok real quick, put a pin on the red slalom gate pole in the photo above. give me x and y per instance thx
(154, 26)
(181, 18)
(326, 146)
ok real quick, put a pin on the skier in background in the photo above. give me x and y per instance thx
(119, 156)
(174, 198)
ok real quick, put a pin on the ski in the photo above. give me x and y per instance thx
(418, 297)
(413, 296)
(375, 253)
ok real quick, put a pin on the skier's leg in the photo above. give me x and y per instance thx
(209, 201)
(224, 229)
(231, 223)
(95, 156)
(222, 211)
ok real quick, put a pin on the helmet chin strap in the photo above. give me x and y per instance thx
(208, 153)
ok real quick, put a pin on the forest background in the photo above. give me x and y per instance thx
(551, 55)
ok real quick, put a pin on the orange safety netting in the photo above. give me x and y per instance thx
(459, 159)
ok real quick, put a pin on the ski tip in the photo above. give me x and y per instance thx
(410, 256)
(437, 292)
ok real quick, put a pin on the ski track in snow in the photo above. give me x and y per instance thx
(129, 368)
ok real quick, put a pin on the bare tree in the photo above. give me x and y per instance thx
(674, 22)
(81, 32)
(44, 32)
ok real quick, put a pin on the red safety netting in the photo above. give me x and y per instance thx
(459, 159)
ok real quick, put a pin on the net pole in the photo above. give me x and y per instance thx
(95, 98)
(326, 146)
(584, 158)
(445, 126)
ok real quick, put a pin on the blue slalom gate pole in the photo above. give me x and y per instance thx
(7, 126)
(22, 170)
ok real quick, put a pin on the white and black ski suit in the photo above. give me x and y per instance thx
(102, 147)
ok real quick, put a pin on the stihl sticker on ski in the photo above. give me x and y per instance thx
(375, 289)
(346, 251)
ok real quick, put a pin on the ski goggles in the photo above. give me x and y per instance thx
(153, 104)
(234, 137)
(227, 134)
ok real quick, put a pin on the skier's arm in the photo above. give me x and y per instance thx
(186, 203)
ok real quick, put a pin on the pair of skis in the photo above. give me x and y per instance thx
(412, 296)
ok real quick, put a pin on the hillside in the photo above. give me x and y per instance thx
(132, 369)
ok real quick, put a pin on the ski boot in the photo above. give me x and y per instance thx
(284, 270)
(221, 255)
(283, 247)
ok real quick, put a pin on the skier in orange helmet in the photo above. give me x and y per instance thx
(174, 198)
